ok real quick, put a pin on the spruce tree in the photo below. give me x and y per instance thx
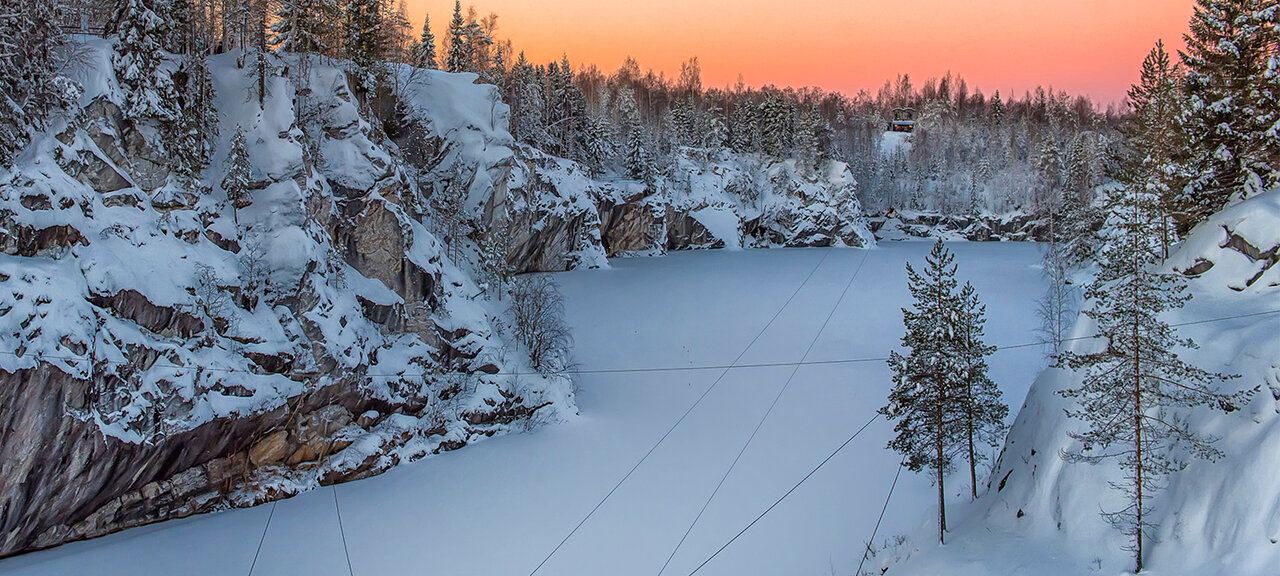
(196, 130)
(237, 180)
(1136, 389)
(1047, 199)
(30, 85)
(927, 399)
(636, 155)
(459, 51)
(1232, 82)
(362, 42)
(299, 25)
(148, 89)
(997, 109)
(424, 51)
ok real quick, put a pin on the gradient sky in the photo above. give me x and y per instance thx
(1092, 47)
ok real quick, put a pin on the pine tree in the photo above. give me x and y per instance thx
(1134, 389)
(424, 51)
(1233, 86)
(1154, 137)
(927, 398)
(743, 128)
(237, 180)
(983, 410)
(1047, 198)
(715, 131)
(637, 159)
(459, 50)
(597, 143)
(777, 126)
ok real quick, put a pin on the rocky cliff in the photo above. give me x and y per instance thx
(165, 352)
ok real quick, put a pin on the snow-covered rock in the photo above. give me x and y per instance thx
(164, 353)
(562, 216)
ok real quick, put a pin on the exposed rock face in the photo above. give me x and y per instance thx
(984, 229)
(375, 242)
(630, 227)
(685, 232)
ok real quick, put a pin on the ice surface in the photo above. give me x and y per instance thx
(500, 506)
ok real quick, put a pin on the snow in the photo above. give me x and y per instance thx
(722, 223)
(1218, 517)
(893, 143)
(499, 506)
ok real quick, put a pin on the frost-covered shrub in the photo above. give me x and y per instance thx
(537, 311)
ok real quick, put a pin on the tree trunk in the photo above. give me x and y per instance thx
(942, 502)
(968, 386)
(1137, 402)
(1137, 427)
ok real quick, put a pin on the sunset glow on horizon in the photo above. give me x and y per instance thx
(1091, 47)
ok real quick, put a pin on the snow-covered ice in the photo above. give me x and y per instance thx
(500, 506)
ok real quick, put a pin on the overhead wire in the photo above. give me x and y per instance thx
(678, 421)
(784, 496)
(766, 414)
(642, 370)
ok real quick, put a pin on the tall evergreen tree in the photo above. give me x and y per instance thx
(299, 25)
(983, 411)
(927, 399)
(637, 154)
(237, 180)
(30, 85)
(459, 50)
(1155, 137)
(138, 61)
(1233, 81)
(363, 41)
(424, 51)
(1136, 387)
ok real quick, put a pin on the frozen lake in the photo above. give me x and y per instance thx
(499, 507)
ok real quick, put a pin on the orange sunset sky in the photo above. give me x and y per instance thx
(1092, 47)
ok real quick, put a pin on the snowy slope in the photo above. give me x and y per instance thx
(1214, 518)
